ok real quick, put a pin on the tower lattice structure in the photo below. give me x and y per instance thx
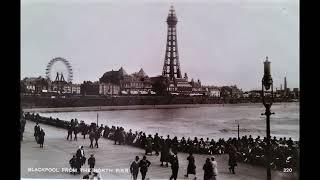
(171, 67)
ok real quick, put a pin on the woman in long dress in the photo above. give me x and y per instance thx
(232, 160)
(208, 170)
(164, 153)
(191, 169)
(215, 168)
(149, 145)
(41, 137)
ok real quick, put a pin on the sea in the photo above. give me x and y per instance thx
(212, 121)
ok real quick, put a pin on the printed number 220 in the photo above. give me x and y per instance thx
(287, 170)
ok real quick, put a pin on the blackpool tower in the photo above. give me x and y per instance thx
(171, 67)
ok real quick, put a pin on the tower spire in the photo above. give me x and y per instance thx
(171, 67)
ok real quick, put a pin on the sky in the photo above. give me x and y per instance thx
(219, 42)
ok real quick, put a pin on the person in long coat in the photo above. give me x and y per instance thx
(69, 128)
(134, 168)
(83, 128)
(232, 161)
(91, 162)
(81, 156)
(78, 153)
(215, 168)
(73, 165)
(174, 144)
(144, 165)
(96, 138)
(143, 140)
(208, 170)
(156, 141)
(41, 137)
(191, 169)
(149, 145)
(91, 137)
(121, 136)
(36, 131)
(78, 165)
(174, 166)
(164, 153)
(75, 131)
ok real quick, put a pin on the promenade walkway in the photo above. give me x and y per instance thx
(57, 151)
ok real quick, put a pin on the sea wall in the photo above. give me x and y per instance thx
(84, 101)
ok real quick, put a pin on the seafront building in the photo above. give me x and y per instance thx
(121, 83)
(42, 86)
(34, 85)
(212, 91)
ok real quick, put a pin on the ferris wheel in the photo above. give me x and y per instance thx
(66, 64)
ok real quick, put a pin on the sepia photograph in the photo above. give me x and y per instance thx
(160, 89)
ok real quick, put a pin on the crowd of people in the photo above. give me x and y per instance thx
(79, 159)
(74, 127)
(284, 152)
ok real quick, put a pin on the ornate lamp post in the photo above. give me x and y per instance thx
(267, 99)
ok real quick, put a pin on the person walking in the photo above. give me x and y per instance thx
(164, 153)
(232, 160)
(208, 170)
(174, 166)
(69, 128)
(36, 131)
(97, 135)
(215, 168)
(41, 137)
(83, 129)
(75, 131)
(91, 162)
(80, 155)
(78, 165)
(73, 165)
(156, 141)
(144, 165)
(191, 169)
(91, 137)
(134, 168)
